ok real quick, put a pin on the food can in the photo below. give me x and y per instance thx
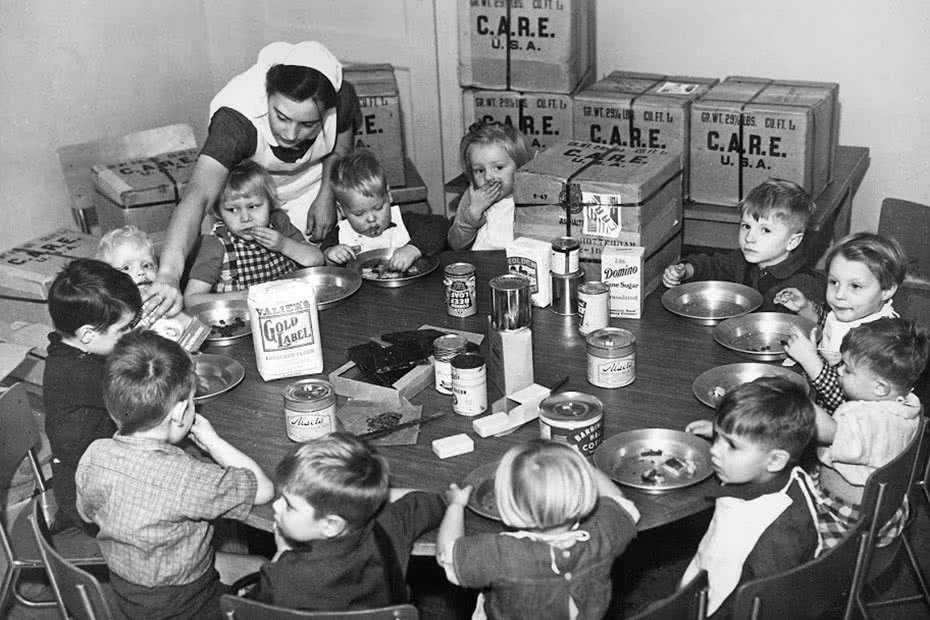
(564, 255)
(565, 292)
(460, 290)
(593, 306)
(611, 357)
(573, 418)
(511, 307)
(309, 409)
(444, 349)
(469, 384)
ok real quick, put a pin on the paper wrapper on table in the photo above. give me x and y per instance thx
(381, 130)
(188, 331)
(646, 110)
(285, 329)
(631, 278)
(530, 257)
(539, 46)
(363, 416)
(142, 192)
(746, 130)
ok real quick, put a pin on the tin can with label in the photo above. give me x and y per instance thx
(564, 255)
(593, 307)
(469, 384)
(460, 290)
(573, 418)
(309, 409)
(444, 349)
(611, 357)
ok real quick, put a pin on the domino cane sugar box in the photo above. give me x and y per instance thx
(381, 130)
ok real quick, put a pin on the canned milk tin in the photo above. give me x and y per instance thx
(444, 349)
(469, 384)
(309, 409)
(460, 290)
(573, 418)
(611, 357)
(564, 255)
(593, 307)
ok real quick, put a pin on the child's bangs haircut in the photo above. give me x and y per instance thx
(91, 292)
(125, 235)
(770, 411)
(510, 138)
(146, 376)
(361, 172)
(248, 179)
(781, 200)
(544, 484)
(894, 349)
(882, 255)
(338, 475)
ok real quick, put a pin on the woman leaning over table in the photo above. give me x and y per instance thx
(289, 112)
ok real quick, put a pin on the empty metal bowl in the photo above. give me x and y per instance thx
(760, 336)
(710, 301)
(216, 374)
(331, 284)
(711, 385)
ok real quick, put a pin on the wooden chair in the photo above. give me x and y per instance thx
(78, 159)
(19, 434)
(689, 602)
(236, 608)
(77, 592)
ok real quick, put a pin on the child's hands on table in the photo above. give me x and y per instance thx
(701, 428)
(674, 274)
(802, 348)
(792, 299)
(404, 257)
(456, 496)
(340, 254)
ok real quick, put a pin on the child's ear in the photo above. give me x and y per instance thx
(795, 240)
(880, 387)
(85, 334)
(390, 198)
(888, 293)
(777, 460)
(178, 412)
(333, 526)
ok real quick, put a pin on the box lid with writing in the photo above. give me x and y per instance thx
(31, 267)
(146, 181)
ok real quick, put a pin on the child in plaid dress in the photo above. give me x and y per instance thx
(253, 241)
(881, 361)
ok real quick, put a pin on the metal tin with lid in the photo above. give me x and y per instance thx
(511, 307)
(309, 409)
(611, 357)
(564, 255)
(565, 292)
(444, 349)
(593, 307)
(460, 290)
(469, 384)
(573, 418)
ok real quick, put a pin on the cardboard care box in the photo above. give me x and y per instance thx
(526, 45)
(604, 195)
(142, 192)
(746, 130)
(381, 130)
(646, 110)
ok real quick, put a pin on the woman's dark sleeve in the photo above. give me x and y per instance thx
(348, 109)
(232, 138)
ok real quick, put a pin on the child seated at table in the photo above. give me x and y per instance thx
(153, 502)
(864, 272)
(91, 305)
(343, 537)
(130, 249)
(771, 255)
(490, 154)
(253, 242)
(570, 523)
(881, 361)
(371, 222)
(765, 516)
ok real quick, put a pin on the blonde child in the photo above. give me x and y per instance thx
(570, 524)
(864, 272)
(130, 250)
(881, 361)
(253, 242)
(490, 154)
(371, 222)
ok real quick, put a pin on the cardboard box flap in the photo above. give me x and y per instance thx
(145, 181)
(31, 267)
(627, 82)
(372, 79)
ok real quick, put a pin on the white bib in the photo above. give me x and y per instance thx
(394, 237)
(497, 231)
(835, 330)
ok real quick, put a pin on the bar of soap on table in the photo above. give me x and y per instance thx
(453, 445)
(491, 424)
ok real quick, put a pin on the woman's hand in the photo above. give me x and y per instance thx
(321, 216)
(340, 254)
(701, 428)
(161, 298)
(404, 257)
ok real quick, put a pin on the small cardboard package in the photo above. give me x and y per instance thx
(631, 277)
(531, 258)
(381, 130)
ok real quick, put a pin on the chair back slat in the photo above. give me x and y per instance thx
(236, 608)
(18, 431)
(887, 486)
(688, 603)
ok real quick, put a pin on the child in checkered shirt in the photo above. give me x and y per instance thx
(881, 361)
(252, 242)
(864, 272)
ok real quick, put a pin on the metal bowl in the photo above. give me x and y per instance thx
(711, 385)
(216, 374)
(331, 284)
(367, 264)
(482, 500)
(760, 336)
(710, 301)
(220, 316)
(655, 460)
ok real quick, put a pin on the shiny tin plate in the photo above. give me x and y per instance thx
(482, 499)
(711, 385)
(710, 301)
(332, 284)
(216, 374)
(655, 460)
(371, 263)
(228, 319)
(760, 336)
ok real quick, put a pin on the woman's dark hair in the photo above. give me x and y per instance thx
(301, 83)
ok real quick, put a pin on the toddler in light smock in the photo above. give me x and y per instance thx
(569, 525)
(490, 154)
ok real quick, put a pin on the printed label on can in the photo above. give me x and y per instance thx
(612, 372)
(443, 376)
(585, 437)
(460, 291)
(306, 425)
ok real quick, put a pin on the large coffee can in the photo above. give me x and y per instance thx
(511, 307)
(573, 418)
(309, 409)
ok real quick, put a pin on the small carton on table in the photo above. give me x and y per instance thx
(381, 130)
(631, 277)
